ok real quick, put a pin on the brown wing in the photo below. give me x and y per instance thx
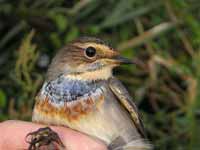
(125, 99)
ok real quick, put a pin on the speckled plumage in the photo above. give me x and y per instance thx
(67, 90)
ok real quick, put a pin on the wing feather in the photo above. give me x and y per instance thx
(125, 99)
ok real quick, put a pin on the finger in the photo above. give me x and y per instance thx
(13, 135)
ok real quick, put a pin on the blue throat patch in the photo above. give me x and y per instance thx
(67, 90)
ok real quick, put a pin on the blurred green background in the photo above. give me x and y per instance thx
(162, 35)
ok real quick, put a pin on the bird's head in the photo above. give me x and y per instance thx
(85, 59)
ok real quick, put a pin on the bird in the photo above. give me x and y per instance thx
(81, 93)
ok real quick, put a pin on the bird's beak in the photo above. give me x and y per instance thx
(121, 60)
(116, 59)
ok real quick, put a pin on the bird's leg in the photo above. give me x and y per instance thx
(44, 138)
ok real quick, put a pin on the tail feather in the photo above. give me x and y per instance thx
(138, 144)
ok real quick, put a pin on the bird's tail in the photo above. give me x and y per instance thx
(138, 144)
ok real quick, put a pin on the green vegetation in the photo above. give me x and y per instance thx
(163, 36)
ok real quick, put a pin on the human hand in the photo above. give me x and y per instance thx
(13, 134)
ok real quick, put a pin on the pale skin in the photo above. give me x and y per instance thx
(13, 133)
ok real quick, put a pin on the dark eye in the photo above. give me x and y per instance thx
(90, 52)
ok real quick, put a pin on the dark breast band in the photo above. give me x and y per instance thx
(67, 90)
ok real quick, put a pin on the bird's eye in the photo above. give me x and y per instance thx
(90, 52)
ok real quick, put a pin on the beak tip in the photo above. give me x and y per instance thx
(123, 60)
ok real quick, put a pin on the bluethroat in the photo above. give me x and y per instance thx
(80, 92)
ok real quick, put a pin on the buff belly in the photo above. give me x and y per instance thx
(103, 118)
